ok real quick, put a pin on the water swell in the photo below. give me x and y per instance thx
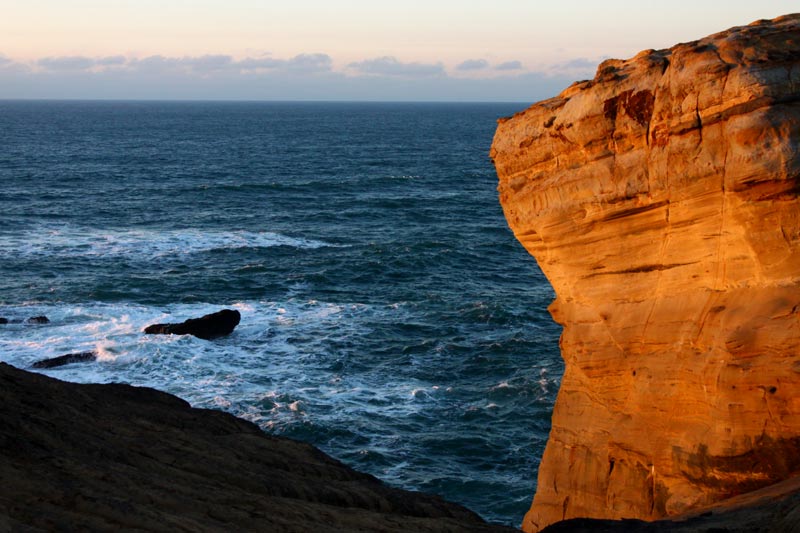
(388, 314)
(66, 241)
(300, 368)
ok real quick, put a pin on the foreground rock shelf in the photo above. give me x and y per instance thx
(661, 200)
(111, 457)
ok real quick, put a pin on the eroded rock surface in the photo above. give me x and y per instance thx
(115, 457)
(661, 201)
(773, 509)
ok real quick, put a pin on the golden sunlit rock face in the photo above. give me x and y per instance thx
(662, 201)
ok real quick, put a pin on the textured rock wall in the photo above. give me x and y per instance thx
(661, 201)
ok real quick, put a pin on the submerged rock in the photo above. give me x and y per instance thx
(206, 327)
(82, 357)
(662, 201)
(115, 457)
(32, 320)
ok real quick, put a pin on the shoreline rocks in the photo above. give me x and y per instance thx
(32, 320)
(207, 327)
(116, 457)
(52, 362)
(662, 201)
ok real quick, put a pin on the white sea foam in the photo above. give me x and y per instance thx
(198, 370)
(295, 367)
(219, 401)
(70, 241)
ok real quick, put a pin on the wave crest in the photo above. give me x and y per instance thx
(89, 242)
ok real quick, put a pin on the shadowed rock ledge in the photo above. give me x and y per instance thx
(111, 457)
(662, 201)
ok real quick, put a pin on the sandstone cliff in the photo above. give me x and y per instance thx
(661, 200)
(773, 509)
(115, 457)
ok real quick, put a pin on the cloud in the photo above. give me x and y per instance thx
(10, 67)
(111, 61)
(581, 63)
(209, 64)
(309, 63)
(473, 64)
(78, 63)
(311, 76)
(155, 63)
(302, 63)
(252, 63)
(509, 65)
(66, 63)
(202, 65)
(390, 66)
(577, 68)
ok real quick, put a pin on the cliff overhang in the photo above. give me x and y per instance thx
(662, 201)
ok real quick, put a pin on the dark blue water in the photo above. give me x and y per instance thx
(389, 315)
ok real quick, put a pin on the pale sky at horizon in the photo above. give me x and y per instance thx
(494, 50)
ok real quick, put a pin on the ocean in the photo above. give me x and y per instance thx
(389, 316)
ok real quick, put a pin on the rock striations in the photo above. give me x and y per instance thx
(662, 201)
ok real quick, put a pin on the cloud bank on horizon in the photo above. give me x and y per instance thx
(306, 76)
(344, 50)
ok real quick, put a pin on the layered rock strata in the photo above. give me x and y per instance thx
(115, 457)
(773, 509)
(661, 200)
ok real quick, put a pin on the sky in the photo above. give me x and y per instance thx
(373, 50)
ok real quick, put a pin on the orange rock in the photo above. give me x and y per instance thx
(662, 201)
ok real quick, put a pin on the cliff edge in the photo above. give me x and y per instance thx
(115, 457)
(662, 201)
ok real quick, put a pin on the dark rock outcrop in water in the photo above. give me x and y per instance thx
(81, 357)
(206, 327)
(31, 320)
(662, 201)
(114, 457)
